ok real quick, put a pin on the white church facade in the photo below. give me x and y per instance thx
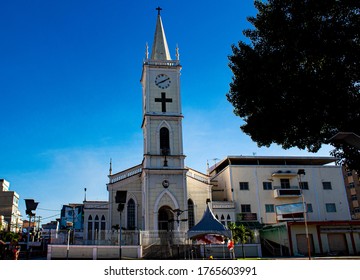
(161, 193)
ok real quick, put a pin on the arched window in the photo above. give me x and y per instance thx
(223, 220)
(131, 214)
(191, 216)
(102, 227)
(164, 141)
(90, 230)
(96, 226)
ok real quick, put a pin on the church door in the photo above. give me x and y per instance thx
(165, 219)
(165, 225)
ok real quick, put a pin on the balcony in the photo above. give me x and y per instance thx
(246, 217)
(291, 217)
(284, 174)
(292, 191)
(223, 205)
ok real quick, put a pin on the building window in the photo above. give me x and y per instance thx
(90, 229)
(285, 183)
(164, 141)
(326, 185)
(223, 220)
(16, 201)
(330, 207)
(304, 185)
(267, 185)
(102, 227)
(351, 185)
(357, 210)
(245, 208)
(191, 216)
(131, 214)
(269, 208)
(354, 197)
(309, 208)
(244, 186)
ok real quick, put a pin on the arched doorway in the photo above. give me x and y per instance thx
(165, 225)
(165, 219)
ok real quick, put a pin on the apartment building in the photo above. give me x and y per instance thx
(269, 193)
(9, 207)
(352, 185)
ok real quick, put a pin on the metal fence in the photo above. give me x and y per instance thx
(112, 237)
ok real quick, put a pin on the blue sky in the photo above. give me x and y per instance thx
(71, 95)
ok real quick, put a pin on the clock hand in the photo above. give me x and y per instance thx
(163, 81)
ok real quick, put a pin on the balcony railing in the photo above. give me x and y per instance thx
(293, 191)
(223, 205)
(246, 216)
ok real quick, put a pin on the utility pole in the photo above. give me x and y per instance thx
(302, 172)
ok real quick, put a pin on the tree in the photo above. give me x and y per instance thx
(242, 234)
(296, 82)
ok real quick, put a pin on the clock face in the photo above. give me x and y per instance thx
(165, 184)
(162, 81)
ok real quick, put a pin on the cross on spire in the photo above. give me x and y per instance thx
(163, 101)
(159, 10)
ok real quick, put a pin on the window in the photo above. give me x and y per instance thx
(191, 216)
(354, 197)
(285, 183)
(357, 210)
(351, 185)
(309, 208)
(223, 220)
(326, 185)
(131, 214)
(245, 208)
(269, 208)
(267, 185)
(244, 186)
(90, 230)
(304, 185)
(330, 207)
(164, 141)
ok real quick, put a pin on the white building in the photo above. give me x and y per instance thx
(9, 207)
(269, 192)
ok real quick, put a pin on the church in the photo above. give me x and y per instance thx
(161, 193)
(298, 205)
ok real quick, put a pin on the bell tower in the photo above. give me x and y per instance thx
(164, 189)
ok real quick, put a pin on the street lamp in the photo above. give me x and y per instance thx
(120, 198)
(31, 205)
(299, 173)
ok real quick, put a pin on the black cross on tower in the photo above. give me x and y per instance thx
(158, 9)
(163, 101)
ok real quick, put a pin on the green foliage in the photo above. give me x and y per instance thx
(9, 236)
(241, 233)
(296, 82)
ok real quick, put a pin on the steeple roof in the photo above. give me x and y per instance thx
(160, 50)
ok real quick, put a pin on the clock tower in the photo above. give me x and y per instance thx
(164, 190)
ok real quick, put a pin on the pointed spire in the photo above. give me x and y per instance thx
(160, 50)
(177, 52)
(147, 51)
(110, 169)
